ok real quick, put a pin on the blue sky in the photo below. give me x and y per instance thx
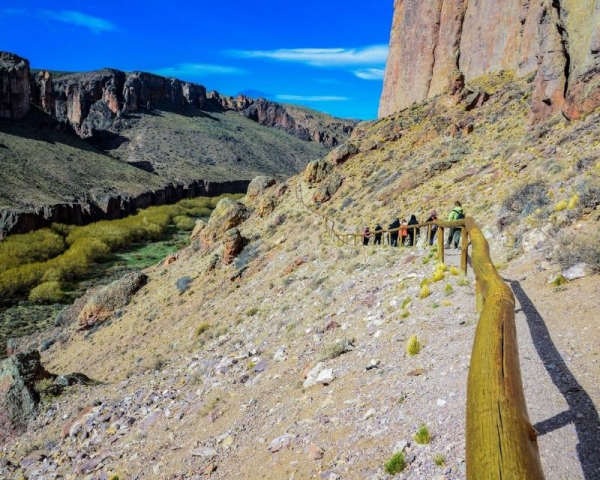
(326, 54)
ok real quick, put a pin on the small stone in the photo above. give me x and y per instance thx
(440, 402)
(576, 271)
(326, 376)
(400, 446)
(205, 452)
(369, 413)
(416, 373)
(280, 443)
(315, 452)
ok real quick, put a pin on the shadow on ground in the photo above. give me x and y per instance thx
(581, 413)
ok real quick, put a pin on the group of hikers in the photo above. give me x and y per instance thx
(404, 234)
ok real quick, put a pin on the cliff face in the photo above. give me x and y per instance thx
(14, 86)
(94, 101)
(432, 41)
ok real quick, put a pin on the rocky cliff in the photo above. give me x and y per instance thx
(557, 42)
(14, 86)
(96, 101)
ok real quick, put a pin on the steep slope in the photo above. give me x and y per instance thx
(434, 41)
(213, 379)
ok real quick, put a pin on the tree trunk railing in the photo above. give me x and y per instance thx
(501, 443)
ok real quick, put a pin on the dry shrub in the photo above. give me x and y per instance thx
(579, 248)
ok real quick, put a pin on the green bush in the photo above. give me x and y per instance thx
(395, 464)
(49, 292)
(183, 222)
(32, 247)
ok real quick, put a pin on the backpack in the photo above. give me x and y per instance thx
(460, 215)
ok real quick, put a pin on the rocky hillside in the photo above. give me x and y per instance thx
(114, 138)
(266, 351)
(436, 43)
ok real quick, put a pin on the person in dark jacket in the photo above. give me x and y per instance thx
(366, 236)
(378, 234)
(434, 228)
(394, 235)
(412, 232)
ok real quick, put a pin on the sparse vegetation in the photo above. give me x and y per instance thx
(413, 346)
(425, 292)
(183, 284)
(335, 349)
(448, 290)
(395, 464)
(252, 311)
(579, 248)
(48, 292)
(524, 201)
(439, 459)
(422, 437)
(201, 329)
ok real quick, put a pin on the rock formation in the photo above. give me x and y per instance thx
(110, 298)
(433, 40)
(14, 86)
(18, 396)
(95, 101)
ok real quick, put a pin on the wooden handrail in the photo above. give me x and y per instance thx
(501, 443)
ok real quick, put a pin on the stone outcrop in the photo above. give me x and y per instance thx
(233, 244)
(110, 298)
(258, 186)
(434, 40)
(340, 155)
(111, 208)
(317, 171)
(96, 101)
(227, 215)
(18, 396)
(14, 86)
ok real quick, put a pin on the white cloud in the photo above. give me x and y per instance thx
(95, 24)
(311, 98)
(322, 57)
(370, 73)
(198, 70)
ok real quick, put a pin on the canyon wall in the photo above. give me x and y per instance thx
(94, 101)
(14, 86)
(557, 41)
(111, 208)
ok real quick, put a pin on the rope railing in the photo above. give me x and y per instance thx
(501, 443)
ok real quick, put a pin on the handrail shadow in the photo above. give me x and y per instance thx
(581, 413)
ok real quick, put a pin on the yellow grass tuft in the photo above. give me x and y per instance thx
(425, 292)
(560, 206)
(454, 271)
(413, 346)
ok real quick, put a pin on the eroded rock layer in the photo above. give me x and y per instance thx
(434, 40)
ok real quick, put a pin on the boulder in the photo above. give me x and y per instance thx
(317, 171)
(233, 244)
(18, 396)
(328, 189)
(200, 225)
(228, 214)
(266, 206)
(14, 86)
(258, 186)
(340, 155)
(110, 298)
(578, 270)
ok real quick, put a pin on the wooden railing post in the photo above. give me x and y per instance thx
(441, 244)
(465, 249)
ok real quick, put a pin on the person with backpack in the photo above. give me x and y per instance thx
(395, 225)
(413, 232)
(433, 216)
(404, 231)
(378, 234)
(457, 213)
